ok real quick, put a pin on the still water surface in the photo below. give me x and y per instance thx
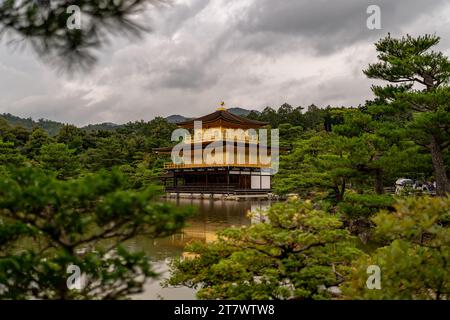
(211, 216)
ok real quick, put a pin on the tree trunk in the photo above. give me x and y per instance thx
(379, 188)
(339, 193)
(343, 187)
(440, 174)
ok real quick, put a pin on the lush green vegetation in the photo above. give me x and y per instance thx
(299, 251)
(81, 222)
(415, 254)
(304, 252)
(73, 196)
(74, 199)
(345, 161)
(73, 151)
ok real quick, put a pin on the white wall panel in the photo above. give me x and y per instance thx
(265, 183)
(256, 182)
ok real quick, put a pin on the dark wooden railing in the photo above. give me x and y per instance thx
(202, 188)
(234, 189)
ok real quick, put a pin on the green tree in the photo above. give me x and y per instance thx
(270, 115)
(253, 115)
(15, 134)
(144, 173)
(10, 155)
(73, 137)
(82, 222)
(407, 62)
(373, 145)
(108, 152)
(289, 134)
(314, 117)
(157, 132)
(297, 252)
(296, 117)
(59, 159)
(38, 138)
(284, 113)
(415, 261)
(45, 26)
(319, 163)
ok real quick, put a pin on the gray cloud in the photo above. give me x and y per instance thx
(250, 53)
(325, 25)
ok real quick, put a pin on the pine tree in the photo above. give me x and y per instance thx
(407, 63)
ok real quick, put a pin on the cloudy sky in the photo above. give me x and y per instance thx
(249, 53)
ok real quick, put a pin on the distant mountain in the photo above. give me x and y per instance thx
(52, 127)
(241, 112)
(237, 111)
(176, 118)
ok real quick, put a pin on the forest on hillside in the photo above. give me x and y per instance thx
(75, 196)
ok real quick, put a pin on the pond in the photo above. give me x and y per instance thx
(211, 216)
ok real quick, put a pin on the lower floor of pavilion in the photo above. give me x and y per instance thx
(226, 180)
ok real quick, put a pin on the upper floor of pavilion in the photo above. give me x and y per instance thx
(221, 125)
(222, 119)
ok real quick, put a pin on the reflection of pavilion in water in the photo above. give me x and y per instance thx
(211, 216)
(215, 215)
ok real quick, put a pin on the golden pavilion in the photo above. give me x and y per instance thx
(220, 153)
